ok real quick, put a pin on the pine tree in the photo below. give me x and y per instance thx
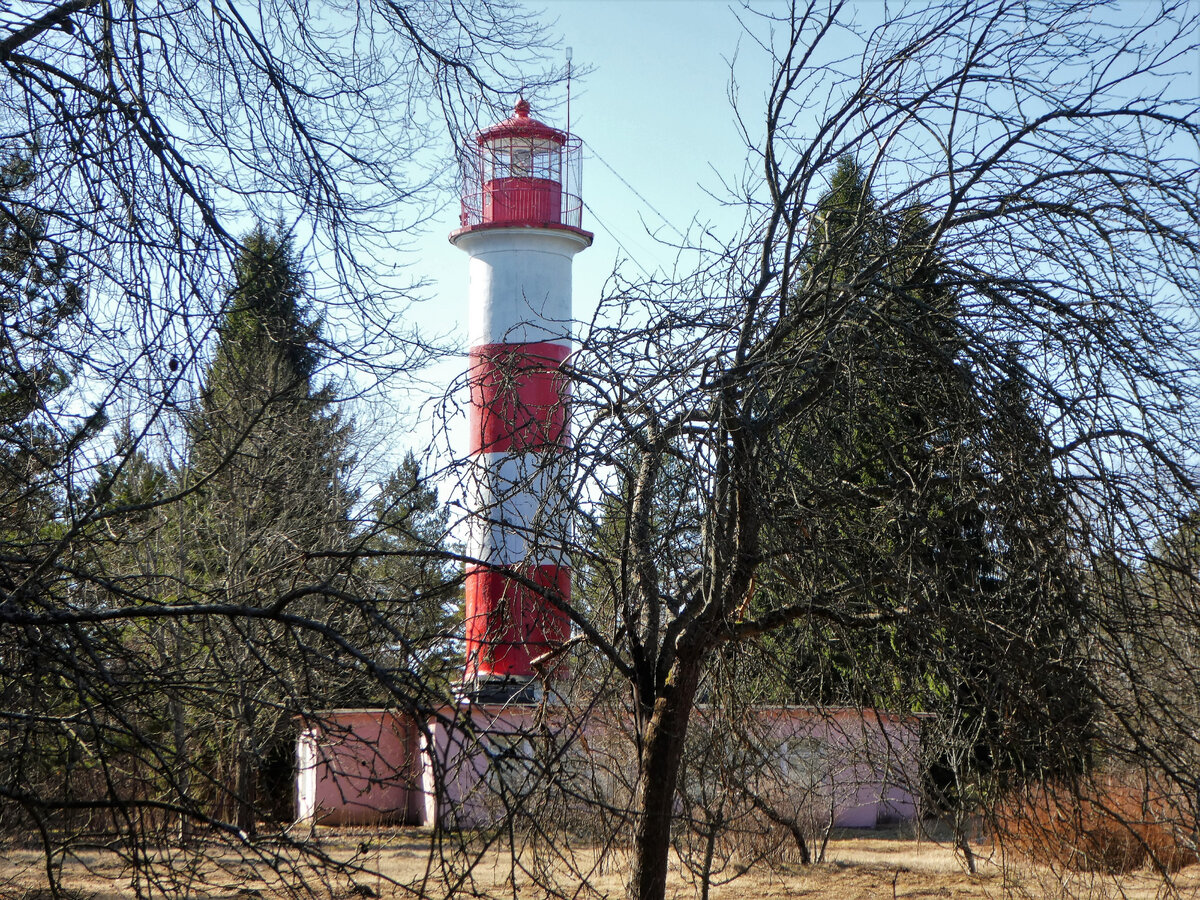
(41, 299)
(40, 295)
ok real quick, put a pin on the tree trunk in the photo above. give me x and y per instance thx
(183, 783)
(245, 774)
(710, 847)
(662, 752)
(183, 772)
(244, 792)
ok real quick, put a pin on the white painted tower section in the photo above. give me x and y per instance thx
(520, 284)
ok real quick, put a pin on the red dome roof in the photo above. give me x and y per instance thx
(521, 125)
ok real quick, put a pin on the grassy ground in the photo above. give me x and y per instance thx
(387, 863)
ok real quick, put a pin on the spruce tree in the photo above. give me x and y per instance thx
(269, 517)
(875, 471)
(412, 591)
(930, 481)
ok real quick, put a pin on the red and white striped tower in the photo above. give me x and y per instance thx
(521, 214)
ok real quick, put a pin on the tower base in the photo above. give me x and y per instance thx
(521, 690)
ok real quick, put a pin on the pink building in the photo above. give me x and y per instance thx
(360, 766)
(464, 766)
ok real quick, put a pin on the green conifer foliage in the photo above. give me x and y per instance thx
(41, 297)
(413, 590)
(268, 521)
(40, 294)
(930, 483)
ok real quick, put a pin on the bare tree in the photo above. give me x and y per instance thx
(1035, 167)
(156, 135)
(1037, 164)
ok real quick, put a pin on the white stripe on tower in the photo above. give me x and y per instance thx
(514, 201)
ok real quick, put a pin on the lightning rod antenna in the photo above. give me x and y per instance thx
(568, 90)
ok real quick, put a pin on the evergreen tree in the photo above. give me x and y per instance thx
(41, 298)
(864, 471)
(413, 591)
(917, 475)
(40, 295)
(269, 518)
(1035, 590)
(261, 408)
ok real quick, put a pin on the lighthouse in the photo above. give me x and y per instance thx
(520, 226)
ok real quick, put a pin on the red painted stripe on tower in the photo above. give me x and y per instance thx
(519, 397)
(509, 624)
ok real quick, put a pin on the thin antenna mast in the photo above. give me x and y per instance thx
(568, 90)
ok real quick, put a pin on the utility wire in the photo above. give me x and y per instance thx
(612, 234)
(650, 206)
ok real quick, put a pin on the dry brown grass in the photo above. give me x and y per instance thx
(391, 862)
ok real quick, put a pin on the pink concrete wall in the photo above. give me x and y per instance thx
(863, 766)
(375, 765)
(364, 769)
(467, 743)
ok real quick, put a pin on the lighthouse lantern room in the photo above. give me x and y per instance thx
(521, 172)
(520, 227)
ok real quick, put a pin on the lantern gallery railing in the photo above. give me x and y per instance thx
(522, 172)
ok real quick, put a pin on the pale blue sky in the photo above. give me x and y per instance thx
(655, 116)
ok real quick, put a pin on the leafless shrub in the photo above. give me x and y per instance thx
(1108, 824)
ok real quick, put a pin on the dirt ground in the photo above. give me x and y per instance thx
(396, 863)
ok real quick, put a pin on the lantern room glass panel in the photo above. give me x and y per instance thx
(522, 180)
